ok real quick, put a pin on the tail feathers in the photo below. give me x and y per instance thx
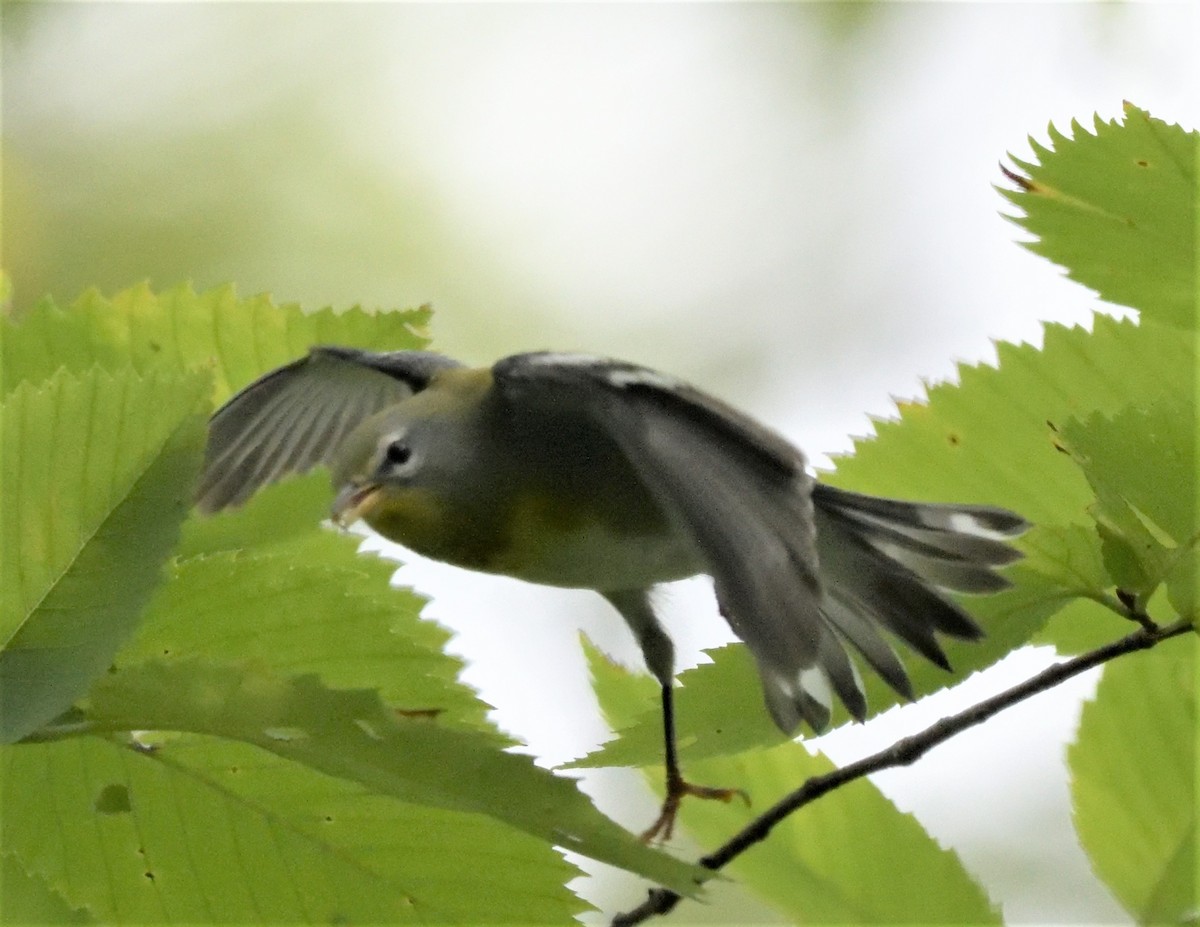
(848, 618)
(964, 563)
(808, 695)
(896, 598)
(882, 562)
(978, 521)
(790, 702)
(833, 663)
(880, 565)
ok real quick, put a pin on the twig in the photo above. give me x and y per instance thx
(903, 753)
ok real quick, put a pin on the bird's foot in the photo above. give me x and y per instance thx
(677, 788)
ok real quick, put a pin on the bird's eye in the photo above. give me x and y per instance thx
(398, 453)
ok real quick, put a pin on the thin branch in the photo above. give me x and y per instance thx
(903, 753)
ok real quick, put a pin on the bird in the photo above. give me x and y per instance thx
(573, 470)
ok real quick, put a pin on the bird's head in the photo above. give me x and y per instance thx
(377, 463)
(405, 467)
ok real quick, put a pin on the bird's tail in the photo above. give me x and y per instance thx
(885, 563)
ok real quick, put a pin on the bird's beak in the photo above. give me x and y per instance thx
(353, 502)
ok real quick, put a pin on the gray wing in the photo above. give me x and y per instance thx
(294, 418)
(742, 493)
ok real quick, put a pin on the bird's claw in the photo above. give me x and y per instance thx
(664, 825)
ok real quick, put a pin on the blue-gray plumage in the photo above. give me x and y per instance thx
(570, 470)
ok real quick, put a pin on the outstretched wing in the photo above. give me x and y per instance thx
(739, 490)
(294, 417)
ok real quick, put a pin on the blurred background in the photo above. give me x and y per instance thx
(790, 205)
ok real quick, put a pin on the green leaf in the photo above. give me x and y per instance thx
(1133, 781)
(995, 437)
(98, 472)
(351, 734)
(1141, 463)
(850, 858)
(622, 693)
(310, 605)
(274, 518)
(238, 339)
(1117, 209)
(1081, 626)
(27, 899)
(179, 328)
(1147, 454)
(718, 710)
(992, 436)
(210, 831)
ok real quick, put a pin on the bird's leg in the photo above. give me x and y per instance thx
(659, 652)
(677, 786)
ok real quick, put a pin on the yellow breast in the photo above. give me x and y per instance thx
(541, 541)
(592, 548)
